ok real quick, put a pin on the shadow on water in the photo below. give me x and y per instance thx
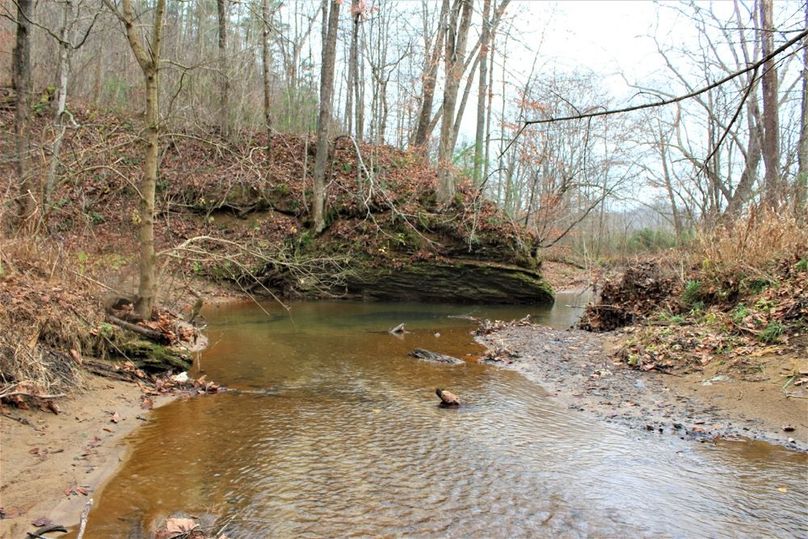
(346, 439)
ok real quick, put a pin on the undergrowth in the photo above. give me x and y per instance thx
(742, 290)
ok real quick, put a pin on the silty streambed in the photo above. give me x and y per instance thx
(336, 432)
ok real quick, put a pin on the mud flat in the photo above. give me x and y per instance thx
(575, 368)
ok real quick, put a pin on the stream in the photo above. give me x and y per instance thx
(336, 432)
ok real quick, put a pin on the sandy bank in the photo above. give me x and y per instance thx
(50, 465)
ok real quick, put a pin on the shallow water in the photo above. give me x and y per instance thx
(336, 432)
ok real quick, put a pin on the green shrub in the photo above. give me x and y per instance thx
(692, 294)
(772, 332)
(740, 312)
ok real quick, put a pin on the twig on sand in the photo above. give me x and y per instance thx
(85, 513)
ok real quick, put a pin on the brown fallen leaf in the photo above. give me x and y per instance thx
(180, 525)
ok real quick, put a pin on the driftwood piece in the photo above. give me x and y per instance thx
(434, 357)
(150, 334)
(109, 371)
(398, 330)
(84, 516)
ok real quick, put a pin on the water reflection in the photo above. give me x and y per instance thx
(349, 441)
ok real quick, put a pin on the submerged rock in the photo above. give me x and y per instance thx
(434, 357)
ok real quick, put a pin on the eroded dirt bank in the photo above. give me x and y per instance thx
(575, 367)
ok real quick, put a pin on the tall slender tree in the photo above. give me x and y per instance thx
(330, 22)
(454, 61)
(266, 59)
(801, 192)
(224, 85)
(148, 57)
(772, 192)
(481, 94)
(28, 190)
(430, 75)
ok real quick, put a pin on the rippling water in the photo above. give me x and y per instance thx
(337, 433)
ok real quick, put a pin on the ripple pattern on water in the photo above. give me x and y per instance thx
(349, 442)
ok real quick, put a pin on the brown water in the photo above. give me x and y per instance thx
(337, 433)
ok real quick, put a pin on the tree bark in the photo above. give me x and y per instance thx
(801, 191)
(224, 89)
(70, 14)
(453, 64)
(149, 61)
(28, 192)
(324, 118)
(430, 76)
(481, 97)
(353, 65)
(772, 193)
(490, 98)
(265, 63)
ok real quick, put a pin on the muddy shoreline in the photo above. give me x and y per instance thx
(575, 368)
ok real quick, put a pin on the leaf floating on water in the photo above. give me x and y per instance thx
(782, 489)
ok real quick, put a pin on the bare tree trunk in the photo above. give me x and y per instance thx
(663, 154)
(359, 96)
(490, 98)
(430, 77)
(801, 191)
(149, 61)
(353, 64)
(28, 192)
(453, 62)
(70, 14)
(481, 97)
(224, 89)
(265, 63)
(771, 188)
(326, 91)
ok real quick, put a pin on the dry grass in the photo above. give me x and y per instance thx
(750, 247)
(45, 312)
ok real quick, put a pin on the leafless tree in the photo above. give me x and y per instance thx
(454, 58)
(330, 22)
(224, 88)
(28, 188)
(148, 57)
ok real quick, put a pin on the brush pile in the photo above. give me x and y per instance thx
(632, 296)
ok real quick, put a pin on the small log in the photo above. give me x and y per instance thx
(150, 334)
(108, 371)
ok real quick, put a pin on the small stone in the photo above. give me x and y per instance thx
(789, 428)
